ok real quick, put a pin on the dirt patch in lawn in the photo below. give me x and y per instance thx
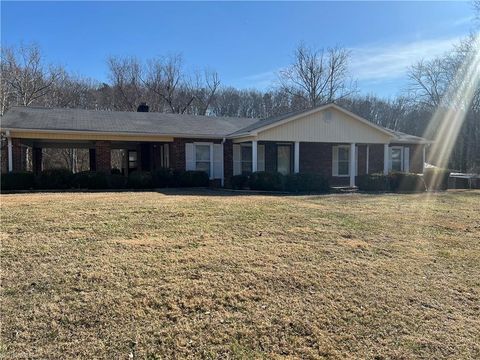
(213, 275)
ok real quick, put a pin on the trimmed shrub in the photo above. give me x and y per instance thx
(90, 180)
(139, 180)
(115, 171)
(436, 178)
(405, 182)
(190, 179)
(266, 181)
(55, 179)
(239, 182)
(17, 181)
(372, 182)
(307, 182)
(116, 181)
(162, 178)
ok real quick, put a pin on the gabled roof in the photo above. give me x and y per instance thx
(282, 119)
(36, 118)
(151, 123)
(403, 138)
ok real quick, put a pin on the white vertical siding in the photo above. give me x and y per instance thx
(336, 127)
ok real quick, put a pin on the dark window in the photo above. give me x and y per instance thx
(246, 159)
(284, 159)
(132, 160)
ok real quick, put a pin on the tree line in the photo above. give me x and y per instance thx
(314, 77)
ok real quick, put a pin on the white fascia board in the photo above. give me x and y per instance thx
(313, 111)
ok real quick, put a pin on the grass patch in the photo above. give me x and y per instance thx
(209, 275)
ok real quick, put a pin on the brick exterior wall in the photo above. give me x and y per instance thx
(375, 158)
(316, 158)
(18, 155)
(92, 159)
(4, 156)
(37, 160)
(227, 162)
(177, 154)
(103, 156)
(362, 159)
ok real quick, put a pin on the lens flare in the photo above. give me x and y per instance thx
(446, 123)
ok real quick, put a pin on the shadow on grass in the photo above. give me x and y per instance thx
(226, 192)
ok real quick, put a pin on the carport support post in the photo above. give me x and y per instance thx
(296, 157)
(385, 159)
(254, 155)
(352, 164)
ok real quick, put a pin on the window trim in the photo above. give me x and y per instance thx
(210, 144)
(335, 156)
(250, 160)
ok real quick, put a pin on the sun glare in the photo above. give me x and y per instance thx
(447, 121)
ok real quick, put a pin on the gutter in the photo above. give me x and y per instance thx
(89, 132)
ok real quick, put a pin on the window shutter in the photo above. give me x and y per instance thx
(218, 161)
(190, 157)
(237, 160)
(406, 159)
(335, 160)
(261, 158)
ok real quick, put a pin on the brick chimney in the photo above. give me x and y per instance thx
(143, 107)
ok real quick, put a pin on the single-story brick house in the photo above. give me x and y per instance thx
(328, 140)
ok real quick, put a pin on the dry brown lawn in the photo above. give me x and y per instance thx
(210, 275)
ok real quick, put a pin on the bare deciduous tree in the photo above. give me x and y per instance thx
(206, 86)
(166, 79)
(428, 81)
(317, 76)
(25, 74)
(126, 80)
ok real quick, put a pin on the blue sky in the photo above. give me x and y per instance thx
(246, 43)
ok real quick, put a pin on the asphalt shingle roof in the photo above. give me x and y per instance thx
(36, 118)
(121, 122)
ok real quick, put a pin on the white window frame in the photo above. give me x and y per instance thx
(291, 146)
(390, 158)
(335, 160)
(210, 144)
(260, 160)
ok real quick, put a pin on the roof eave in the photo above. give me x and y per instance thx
(124, 133)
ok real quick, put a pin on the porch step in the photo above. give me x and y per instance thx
(343, 189)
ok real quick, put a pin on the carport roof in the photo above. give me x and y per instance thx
(36, 118)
